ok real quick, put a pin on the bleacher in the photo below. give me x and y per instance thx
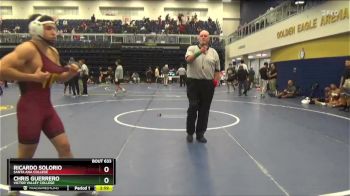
(145, 26)
(139, 45)
(135, 57)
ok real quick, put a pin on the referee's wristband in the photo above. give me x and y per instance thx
(197, 54)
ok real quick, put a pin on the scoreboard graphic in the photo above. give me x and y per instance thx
(96, 174)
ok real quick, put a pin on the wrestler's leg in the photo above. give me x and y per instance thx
(54, 130)
(62, 145)
(29, 128)
(26, 151)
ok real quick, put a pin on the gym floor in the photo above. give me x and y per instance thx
(255, 146)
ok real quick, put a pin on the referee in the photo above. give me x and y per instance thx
(203, 74)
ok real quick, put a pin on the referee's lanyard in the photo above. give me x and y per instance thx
(203, 57)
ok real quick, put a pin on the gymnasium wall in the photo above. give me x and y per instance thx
(251, 9)
(324, 71)
(309, 25)
(322, 32)
(331, 46)
(230, 17)
(323, 62)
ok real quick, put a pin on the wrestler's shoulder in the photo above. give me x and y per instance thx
(26, 48)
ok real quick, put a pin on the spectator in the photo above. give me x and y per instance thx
(182, 73)
(118, 77)
(167, 18)
(230, 77)
(100, 74)
(334, 97)
(242, 76)
(272, 80)
(110, 75)
(345, 85)
(264, 80)
(245, 67)
(149, 74)
(165, 72)
(322, 100)
(156, 73)
(93, 19)
(345, 78)
(84, 75)
(75, 80)
(135, 77)
(289, 92)
(17, 29)
(149, 26)
(251, 76)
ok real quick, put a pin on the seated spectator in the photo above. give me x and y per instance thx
(345, 96)
(331, 97)
(289, 92)
(334, 97)
(322, 100)
(127, 77)
(135, 78)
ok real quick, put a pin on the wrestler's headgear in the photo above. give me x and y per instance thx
(36, 27)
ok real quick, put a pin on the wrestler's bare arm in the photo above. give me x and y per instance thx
(13, 66)
(73, 69)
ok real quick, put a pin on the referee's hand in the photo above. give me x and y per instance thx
(204, 49)
(215, 83)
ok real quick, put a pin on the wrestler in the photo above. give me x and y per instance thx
(35, 65)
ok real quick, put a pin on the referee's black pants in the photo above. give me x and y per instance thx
(200, 94)
(75, 85)
(84, 79)
(182, 80)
